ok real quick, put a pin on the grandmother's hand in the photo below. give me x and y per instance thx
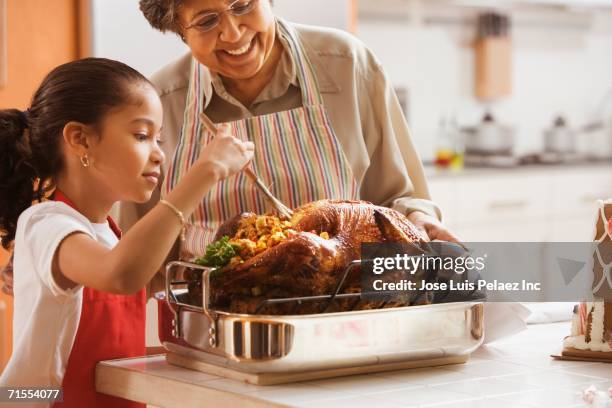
(431, 227)
(6, 275)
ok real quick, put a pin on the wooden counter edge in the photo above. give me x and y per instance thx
(166, 392)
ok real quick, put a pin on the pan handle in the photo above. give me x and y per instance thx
(176, 306)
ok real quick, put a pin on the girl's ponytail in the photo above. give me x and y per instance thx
(17, 174)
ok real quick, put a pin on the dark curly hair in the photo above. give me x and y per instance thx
(30, 142)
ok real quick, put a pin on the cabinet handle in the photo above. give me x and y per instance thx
(508, 205)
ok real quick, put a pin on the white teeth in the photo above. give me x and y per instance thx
(241, 50)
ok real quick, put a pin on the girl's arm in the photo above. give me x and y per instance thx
(128, 267)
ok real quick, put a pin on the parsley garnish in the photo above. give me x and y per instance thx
(218, 254)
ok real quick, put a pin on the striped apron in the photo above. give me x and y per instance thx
(296, 152)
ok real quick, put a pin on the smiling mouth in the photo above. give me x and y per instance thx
(242, 50)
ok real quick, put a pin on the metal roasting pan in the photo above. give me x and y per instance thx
(294, 343)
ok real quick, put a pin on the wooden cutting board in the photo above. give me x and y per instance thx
(283, 378)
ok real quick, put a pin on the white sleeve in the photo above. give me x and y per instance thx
(44, 231)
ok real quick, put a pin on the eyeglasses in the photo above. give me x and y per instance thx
(208, 21)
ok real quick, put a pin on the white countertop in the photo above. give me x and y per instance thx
(514, 372)
(433, 172)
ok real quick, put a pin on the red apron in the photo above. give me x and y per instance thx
(111, 326)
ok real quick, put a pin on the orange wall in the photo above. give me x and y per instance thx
(6, 331)
(41, 34)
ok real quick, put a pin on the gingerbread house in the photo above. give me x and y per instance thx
(591, 333)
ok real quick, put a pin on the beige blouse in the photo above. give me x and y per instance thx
(363, 108)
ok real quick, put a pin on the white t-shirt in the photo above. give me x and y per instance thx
(46, 317)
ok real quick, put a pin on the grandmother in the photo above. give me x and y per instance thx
(315, 101)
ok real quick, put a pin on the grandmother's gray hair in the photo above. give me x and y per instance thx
(163, 15)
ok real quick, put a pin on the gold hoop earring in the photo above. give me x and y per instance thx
(85, 161)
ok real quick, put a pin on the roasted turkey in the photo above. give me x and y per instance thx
(304, 256)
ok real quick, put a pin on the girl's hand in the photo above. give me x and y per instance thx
(431, 227)
(227, 154)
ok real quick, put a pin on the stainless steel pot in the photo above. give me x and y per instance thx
(489, 137)
(559, 138)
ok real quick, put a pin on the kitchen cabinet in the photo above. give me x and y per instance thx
(586, 187)
(532, 204)
(535, 204)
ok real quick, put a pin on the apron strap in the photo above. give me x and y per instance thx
(61, 197)
(309, 85)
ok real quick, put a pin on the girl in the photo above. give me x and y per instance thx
(89, 139)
